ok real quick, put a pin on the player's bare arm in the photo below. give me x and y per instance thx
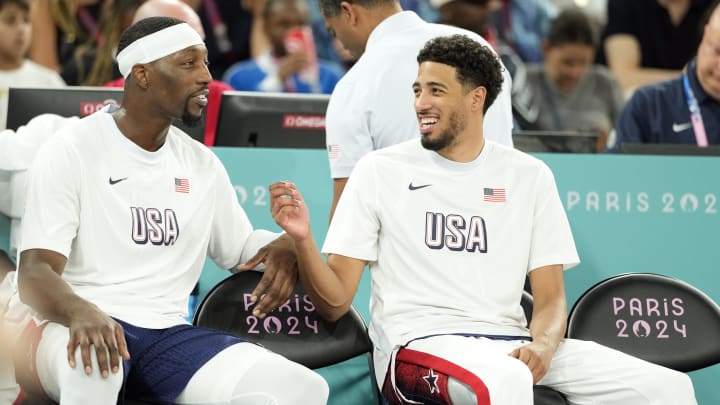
(548, 324)
(331, 285)
(42, 288)
(279, 277)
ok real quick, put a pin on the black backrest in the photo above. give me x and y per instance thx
(25, 103)
(526, 301)
(654, 317)
(294, 330)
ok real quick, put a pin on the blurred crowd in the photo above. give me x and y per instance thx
(574, 63)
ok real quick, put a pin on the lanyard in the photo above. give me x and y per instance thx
(88, 21)
(695, 116)
(218, 26)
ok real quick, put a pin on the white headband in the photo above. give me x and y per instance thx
(157, 45)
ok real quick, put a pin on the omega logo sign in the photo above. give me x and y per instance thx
(303, 121)
(90, 107)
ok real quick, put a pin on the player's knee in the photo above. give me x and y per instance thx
(308, 387)
(292, 384)
(317, 391)
(670, 386)
(76, 379)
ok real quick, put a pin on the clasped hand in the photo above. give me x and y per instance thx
(279, 256)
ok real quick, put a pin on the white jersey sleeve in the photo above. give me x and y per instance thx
(231, 227)
(551, 241)
(356, 210)
(52, 210)
(233, 240)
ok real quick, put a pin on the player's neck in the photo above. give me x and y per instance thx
(465, 149)
(380, 13)
(11, 63)
(149, 133)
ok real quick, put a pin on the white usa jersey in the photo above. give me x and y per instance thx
(449, 244)
(135, 226)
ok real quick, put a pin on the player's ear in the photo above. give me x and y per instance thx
(478, 98)
(139, 73)
(347, 11)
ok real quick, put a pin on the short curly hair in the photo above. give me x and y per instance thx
(475, 64)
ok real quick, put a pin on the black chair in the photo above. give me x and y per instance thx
(294, 330)
(526, 301)
(657, 318)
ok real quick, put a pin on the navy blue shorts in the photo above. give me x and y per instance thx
(162, 361)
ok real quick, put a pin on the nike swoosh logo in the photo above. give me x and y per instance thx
(412, 188)
(112, 182)
(681, 127)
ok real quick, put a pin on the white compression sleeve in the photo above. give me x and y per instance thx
(247, 374)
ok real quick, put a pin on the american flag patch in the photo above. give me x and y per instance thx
(182, 185)
(494, 194)
(333, 151)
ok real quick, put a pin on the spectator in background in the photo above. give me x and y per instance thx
(567, 92)
(15, 69)
(60, 26)
(472, 15)
(93, 62)
(663, 112)
(280, 68)
(182, 11)
(647, 41)
(523, 24)
(231, 31)
(328, 47)
(595, 9)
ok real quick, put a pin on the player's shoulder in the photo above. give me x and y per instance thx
(514, 158)
(188, 147)
(79, 131)
(405, 151)
(390, 159)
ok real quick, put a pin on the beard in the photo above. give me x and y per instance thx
(190, 120)
(447, 136)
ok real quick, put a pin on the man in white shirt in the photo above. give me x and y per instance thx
(370, 107)
(450, 225)
(122, 209)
